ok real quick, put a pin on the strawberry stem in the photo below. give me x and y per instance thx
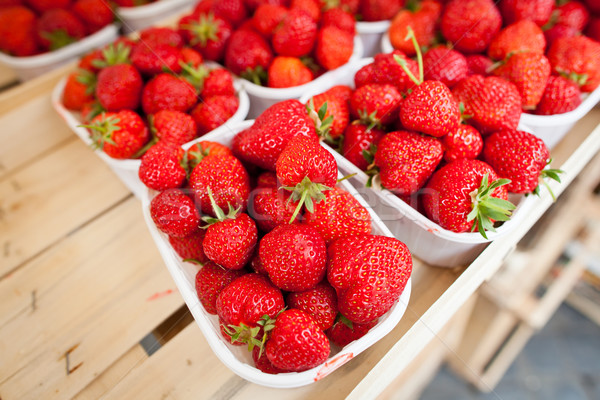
(220, 215)
(413, 38)
(306, 193)
(487, 208)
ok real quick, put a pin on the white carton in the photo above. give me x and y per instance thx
(237, 358)
(386, 44)
(28, 68)
(370, 33)
(127, 170)
(140, 17)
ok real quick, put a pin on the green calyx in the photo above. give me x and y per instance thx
(369, 120)
(102, 130)
(195, 76)
(487, 208)
(87, 78)
(345, 321)
(549, 173)
(58, 38)
(306, 193)
(203, 30)
(250, 335)
(220, 215)
(579, 79)
(257, 75)
(322, 123)
(113, 54)
(402, 62)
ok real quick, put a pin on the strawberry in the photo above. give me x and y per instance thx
(593, 28)
(369, 274)
(336, 108)
(376, 103)
(561, 95)
(339, 18)
(538, 11)
(470, 25)
(334, 47)
(359, 144)
(119, 134)
(478, 64)
(466, 195)
(387, 70)
(578, 58)
(119, 87)
(267, 179)
(405, 160)
(207, 34)
(218, 82)
(161, 35)
(492, 103)
(173, 127)
(41, 6)
(262, 362)
(559, 31)
(519, 156)
(311, 7)
(200, 150)
(190, 247)
(319, 302)
(296, 343)
(296, 34)
(445, 65)
(248, 55)
(422, 19)
(233, 11)
(210, 280)
(262, 144)
(294, 256)
(287, 72)
(341, 92)
(230, 238)
(267, 17)
(339, 215)
(344, 332)
(17, 31)
(152, 60)
(162, 167)
(58, 28)
(79, 89)
(95, 14)
(114, 53)
(379, 10)
(174, 213)
(593, 6)
(571, 13)
(168, 92)
(465, 142)
(191, 57)
(523, 35)
(270, 207)
(213, 112)
(226, 177)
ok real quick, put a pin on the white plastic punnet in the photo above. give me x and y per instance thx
(140, 17)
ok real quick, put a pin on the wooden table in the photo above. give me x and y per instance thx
(82, 283)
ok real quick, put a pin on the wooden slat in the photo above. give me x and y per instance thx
(97, 294)
(7, 76)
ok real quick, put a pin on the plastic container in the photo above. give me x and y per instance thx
(136, 18)
(386, 44)
(127, 170)
(370, 33)
(237, 358)
(28, 68)
(262, 97)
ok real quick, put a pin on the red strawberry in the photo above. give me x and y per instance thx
(319, 302)
(519, 156)
(537, 11)
(493, 103)
(119, 134)
(343, 333)
(211, 279)
(190, 247)
(422, 20)
(561, 95)
(248, 55)
(365, 75)
(406, 160)
(226, 177)
(161, 35)
(296, 343)
(203, 149)
(445, 65)
(470, 25)
(218, 82)
(191, 57)
(168, 92)
(267, 17)
(461, 194)
(294, 256)
(339, 18)
(334, 47)
(593, 28)
(341, 92)
(478, 64)
(286, 72)
(267, 179)
(18, 31)
(262, 362)
(95, 14)
(465, 142)
(233, 11)
(173, 127)
(369, 274)
(559, 31)
(379, 10)
(387, 70)
(119, 87)
(296, 35)
(213, 112)
(58, 28)
(207, 34)
(152, 60)
(42, 6)
(579, 58)
(339, 215)
(376, 103)
(359, 144)
(523, 35)
(571, 13)
(311, 7)
(174, 213)
(336, 108)
(162, 167)
(79, 89)
(593, 6)
(270, 207)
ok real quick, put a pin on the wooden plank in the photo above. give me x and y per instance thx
(97, 294)
(7, 77)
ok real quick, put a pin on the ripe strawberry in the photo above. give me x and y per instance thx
(191, 57)
(493, 103)
(119, 87)
(95, 14)
(213, 112)
(286, 72)
(248, 55)
(296, 343)
(470, 25)
(296, 35)
(41, 6)
(267, 17)
(161, 35)
(523, 35)
(571, 13)
(465, 142)
(233, 11)
(561, 95)
(230, 238)
(162, 167)
(519, 156)
(294, 256)
(478, 64)
(593, 6)
(336, 108)
(559, 31)
(339, 215)
(226, 177)
(174, 213)
(339, 18)
(387, 70)
(311, 7)
(369, 274)
(578, 58)
(445, 65)
(207, 34)
(405, 160)
(200, 150)
(263, 142)
(262, 362)
(211, 279)
(345, 332)
(334, 47)
(190, 247)
(376, 103)
(173, 127)
(466, 195)
(319, 302)
(114, 53)
(422, 19)
(58, 28)
(79, 89)
(267, 179)
(168, 92)
(218, 82)
(359, 144)
(152, 60)
(119, 134)
(538, 11)
(593, 28)
(341, 92)
(379, 10)
(270, 207)
(18, 31)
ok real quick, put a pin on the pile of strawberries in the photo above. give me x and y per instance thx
(289, 261)
(135, 94)
(537, 45)
(277, 44)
